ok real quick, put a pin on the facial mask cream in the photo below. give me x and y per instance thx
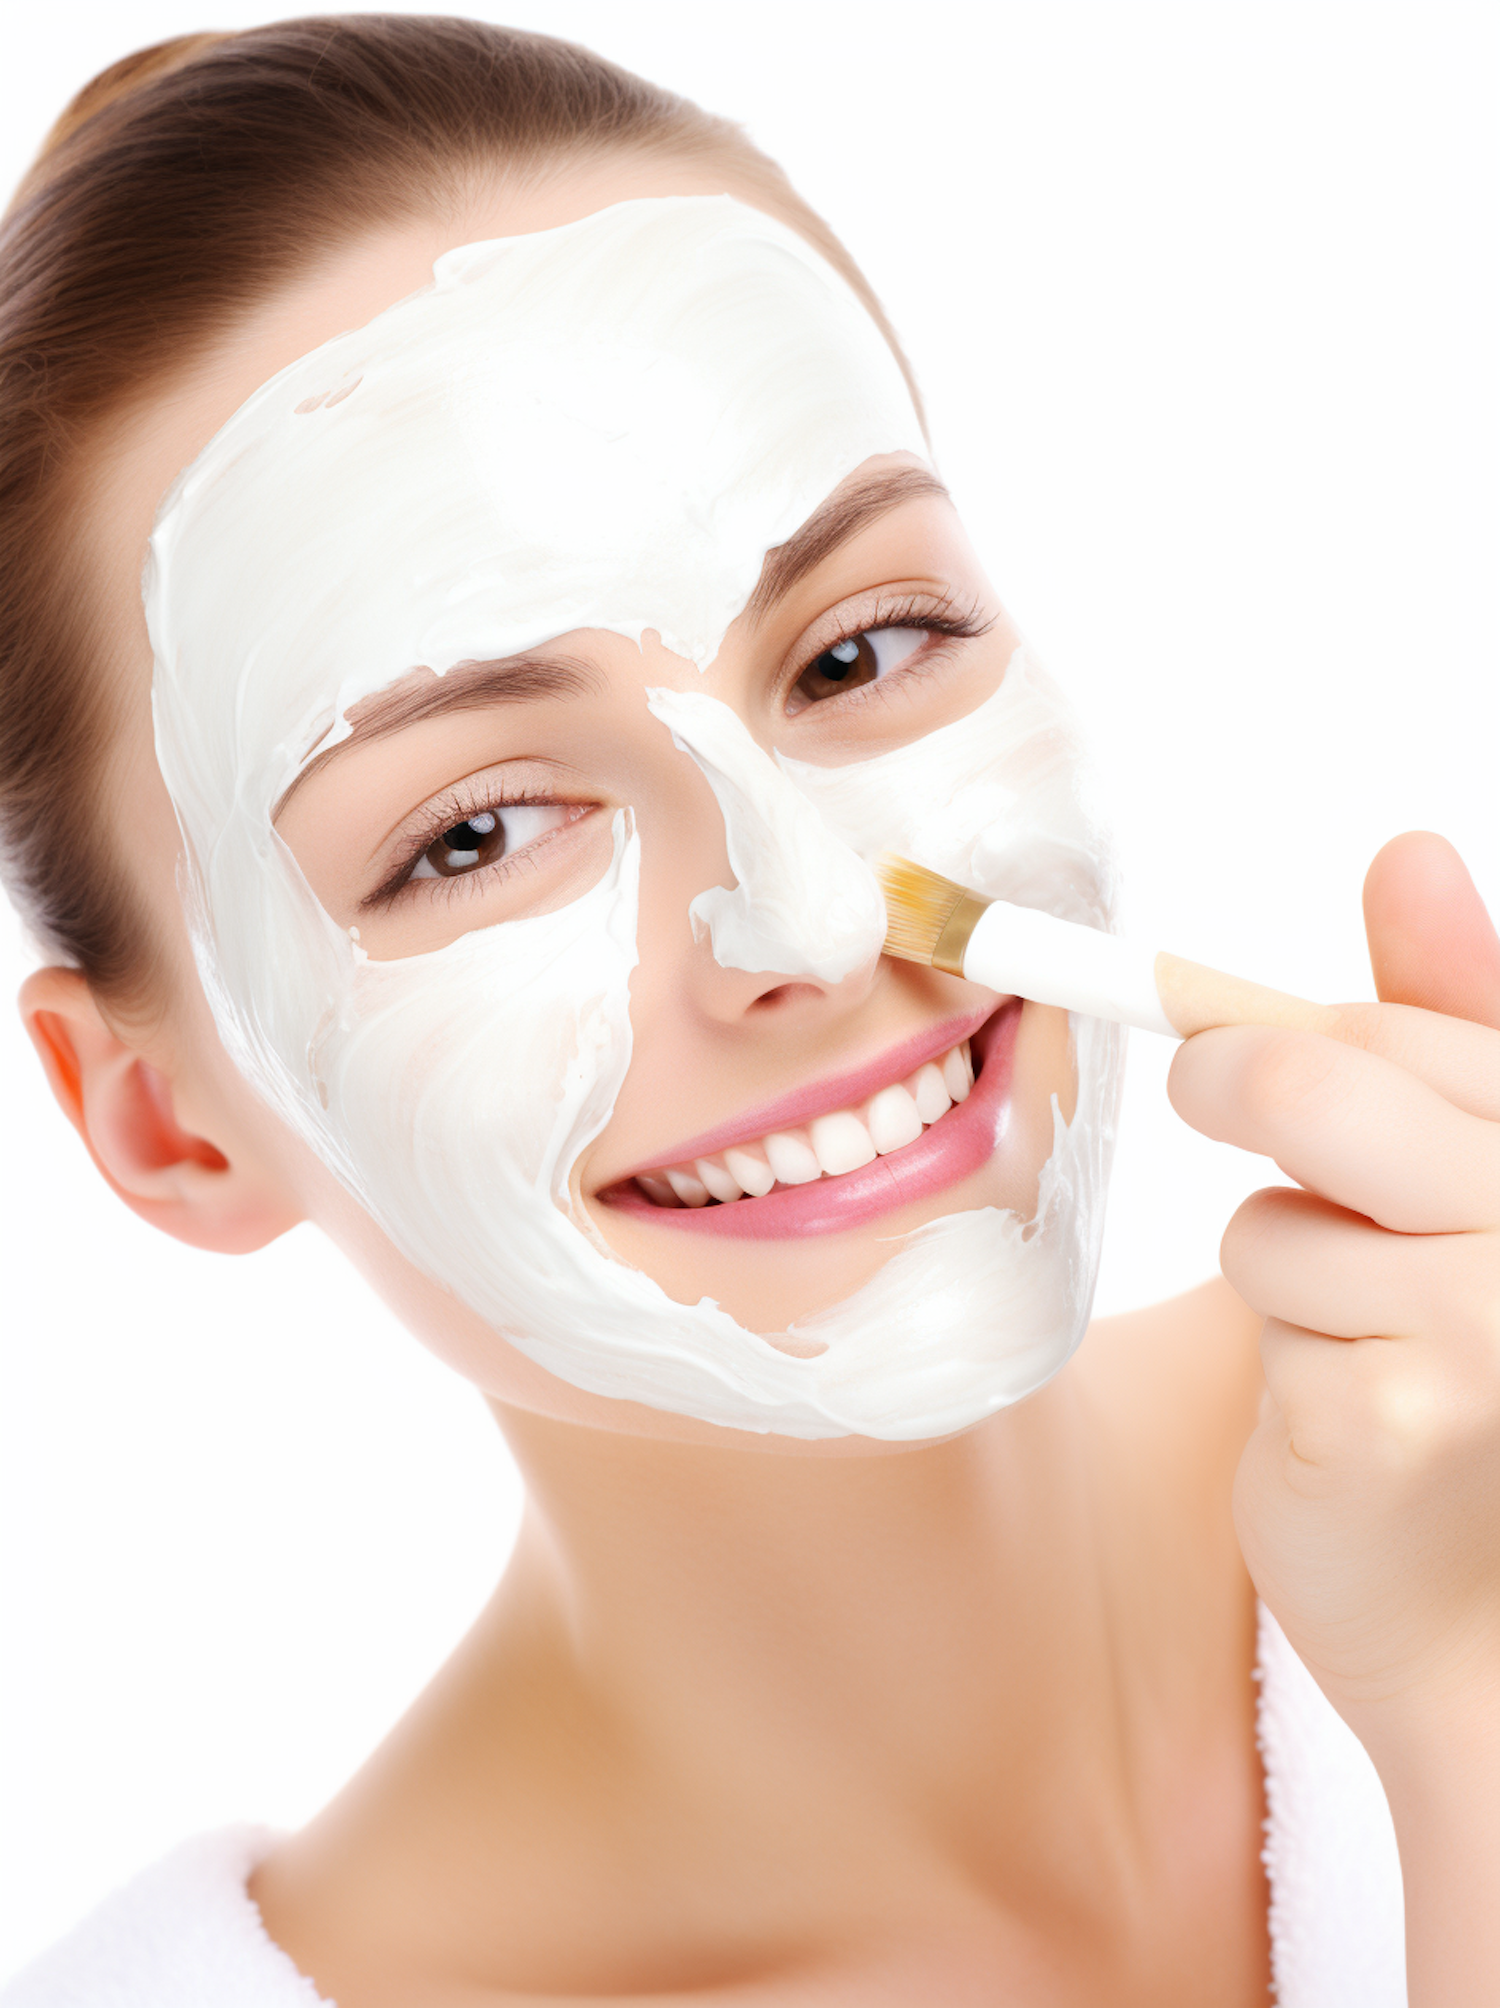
(604, 426)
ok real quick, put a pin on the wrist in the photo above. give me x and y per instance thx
(1438, 1758)
(1437, 1737)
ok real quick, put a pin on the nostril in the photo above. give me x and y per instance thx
(786, 993)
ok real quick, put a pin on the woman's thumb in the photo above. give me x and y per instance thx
(1431, 941)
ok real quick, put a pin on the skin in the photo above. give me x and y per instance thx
(969, 1720)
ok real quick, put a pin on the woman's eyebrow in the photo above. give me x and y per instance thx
(523, 679)
(473, 686)
(846, 512)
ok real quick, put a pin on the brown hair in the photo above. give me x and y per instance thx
(178, 188)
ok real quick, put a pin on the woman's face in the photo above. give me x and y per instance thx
(529, 808)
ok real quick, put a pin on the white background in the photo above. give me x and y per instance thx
(1204, 301)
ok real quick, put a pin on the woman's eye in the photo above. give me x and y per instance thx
(489, 835)
(859, 658)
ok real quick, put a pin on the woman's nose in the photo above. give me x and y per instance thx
(806, 904)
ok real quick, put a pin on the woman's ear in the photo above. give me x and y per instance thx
(201, 1189)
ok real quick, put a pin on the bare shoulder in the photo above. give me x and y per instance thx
(1181, 1379)
(1205, 1343)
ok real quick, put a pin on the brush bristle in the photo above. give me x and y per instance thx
(917, 906)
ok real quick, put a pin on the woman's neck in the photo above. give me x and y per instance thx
(730, 1706)
(799, 1625)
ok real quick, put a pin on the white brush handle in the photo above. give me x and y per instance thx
(1021, 952)
(1017, 949)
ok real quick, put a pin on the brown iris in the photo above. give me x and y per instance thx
(843, 667)
(468, 845)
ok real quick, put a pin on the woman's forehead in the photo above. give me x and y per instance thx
(603, 425)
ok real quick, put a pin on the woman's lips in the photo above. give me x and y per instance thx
(842, 1091)
(957, 1144)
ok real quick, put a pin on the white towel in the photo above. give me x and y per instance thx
(185, 1934)
(1338, 1936)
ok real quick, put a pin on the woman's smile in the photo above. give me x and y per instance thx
(835, 1154)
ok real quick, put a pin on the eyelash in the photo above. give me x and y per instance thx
(952, 619)
(467, 798)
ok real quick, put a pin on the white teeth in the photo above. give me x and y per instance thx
(842, 1142)
(720, 1182)
(748, 1164)
(892, 1119)
(931, 1097)
(828, 1146)
(792, 1158)
(689, 1188)
(956, 1076)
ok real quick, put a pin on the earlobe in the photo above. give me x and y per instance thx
(123, 1107)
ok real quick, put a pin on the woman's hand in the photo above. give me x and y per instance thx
(1368, 1499)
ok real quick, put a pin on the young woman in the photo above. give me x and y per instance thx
(522, 685)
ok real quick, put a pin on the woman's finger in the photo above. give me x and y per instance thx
(1300, 1259)
(1431, 941)
(1384, 1407)
(1457, 1057)
(1344, 1122)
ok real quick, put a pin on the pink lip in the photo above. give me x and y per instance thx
(957, 1144)
(821, 1098)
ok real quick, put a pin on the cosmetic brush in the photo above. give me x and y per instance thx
(1023, 952)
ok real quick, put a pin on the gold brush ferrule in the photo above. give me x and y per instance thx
(952, 944)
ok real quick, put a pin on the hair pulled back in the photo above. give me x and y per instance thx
(178, 189)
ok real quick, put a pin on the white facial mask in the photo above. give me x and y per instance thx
(806, 904)
(605, 425)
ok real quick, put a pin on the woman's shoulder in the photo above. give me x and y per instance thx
(1183, 1377)
(182, 1934)
(1170, 1396)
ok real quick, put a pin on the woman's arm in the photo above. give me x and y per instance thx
(1368, 1500)
(1441, 1772)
